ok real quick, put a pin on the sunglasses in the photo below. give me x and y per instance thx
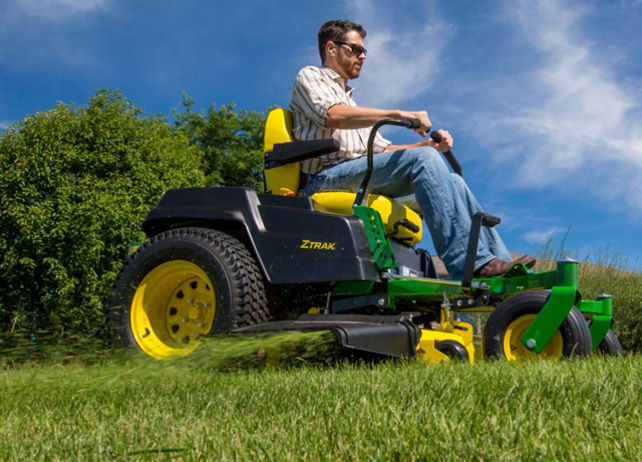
(356, 49)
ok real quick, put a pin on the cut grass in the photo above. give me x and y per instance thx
(140, 409)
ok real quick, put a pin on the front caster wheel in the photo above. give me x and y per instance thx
(506, 326)
(610, 346)
(453, 349)
(182, 284)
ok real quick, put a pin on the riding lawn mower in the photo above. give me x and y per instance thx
(233, 261)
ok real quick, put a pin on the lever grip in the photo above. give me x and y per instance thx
(450, 157)
(436, 137)
(409, 225)
(414, 123)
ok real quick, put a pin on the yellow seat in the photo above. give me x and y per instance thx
(285, 180)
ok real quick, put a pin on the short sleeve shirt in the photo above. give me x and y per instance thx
(315, 91)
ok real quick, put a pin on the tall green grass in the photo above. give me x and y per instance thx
(148, 410)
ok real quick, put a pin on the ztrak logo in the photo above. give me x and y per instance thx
(317, 245)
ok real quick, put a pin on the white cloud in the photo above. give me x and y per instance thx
(57, 10)
(402, 61)
(577, 120)
(542, 236)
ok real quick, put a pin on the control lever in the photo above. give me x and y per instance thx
(437, 138)
(409, 225)
(450, 157)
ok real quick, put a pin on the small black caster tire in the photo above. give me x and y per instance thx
(454, 350)
(610, 346)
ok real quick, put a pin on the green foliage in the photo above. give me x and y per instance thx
(626, 289)
(231, 141)
(76, 184)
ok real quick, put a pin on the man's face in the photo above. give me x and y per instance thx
(349, 62)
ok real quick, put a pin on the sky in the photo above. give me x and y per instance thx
(543, 97)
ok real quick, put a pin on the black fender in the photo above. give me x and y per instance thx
(291, 241)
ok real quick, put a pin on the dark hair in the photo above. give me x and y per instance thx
(336, 31)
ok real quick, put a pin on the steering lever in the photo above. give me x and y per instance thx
(450, 157)
(362, 191)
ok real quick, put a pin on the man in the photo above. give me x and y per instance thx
(323, 107)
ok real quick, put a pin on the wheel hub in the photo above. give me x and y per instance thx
(187, 310)
(515, 350)
(173, 305)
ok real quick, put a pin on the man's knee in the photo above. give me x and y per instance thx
(458, 180)
(423, 155)
(427, 159)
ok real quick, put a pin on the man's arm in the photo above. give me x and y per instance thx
(445, 145)
(350, 117)
(398, 147)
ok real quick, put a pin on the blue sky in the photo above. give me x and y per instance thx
(544, 98)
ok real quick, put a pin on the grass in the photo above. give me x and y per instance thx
(134, 409)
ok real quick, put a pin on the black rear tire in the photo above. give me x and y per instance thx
(506, 325)
(184, 283)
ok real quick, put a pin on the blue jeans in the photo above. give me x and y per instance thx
(443, 198)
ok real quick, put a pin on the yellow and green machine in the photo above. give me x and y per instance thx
(231, 260)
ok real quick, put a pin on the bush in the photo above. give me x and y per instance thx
(231, 141)
(625, 287)
(76, 184)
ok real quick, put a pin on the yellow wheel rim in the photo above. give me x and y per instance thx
(516, 351)
(174, 304)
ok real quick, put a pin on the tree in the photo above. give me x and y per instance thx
(76, 184)
(231, 141)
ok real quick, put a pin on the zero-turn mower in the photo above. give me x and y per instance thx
(231, 260)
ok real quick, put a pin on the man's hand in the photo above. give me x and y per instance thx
(422, 117)
(446, 142)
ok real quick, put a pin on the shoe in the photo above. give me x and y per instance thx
(497, 267)
(527, 260)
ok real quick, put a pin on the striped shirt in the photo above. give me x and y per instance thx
(315, 91)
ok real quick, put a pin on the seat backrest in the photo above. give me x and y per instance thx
(282, 180)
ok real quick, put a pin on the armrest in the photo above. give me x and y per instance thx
(296, 151)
